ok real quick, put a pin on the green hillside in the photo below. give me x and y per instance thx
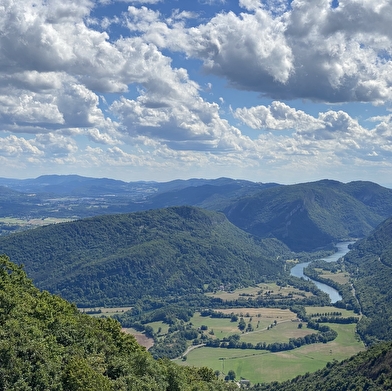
(370, 263)
(117, 259)
(46, 344)
(369, 370)
(313, 215)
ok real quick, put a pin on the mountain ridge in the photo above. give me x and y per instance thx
(305, 216)
(117, 258)
(311, 215)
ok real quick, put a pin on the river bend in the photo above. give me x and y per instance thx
(298, 271)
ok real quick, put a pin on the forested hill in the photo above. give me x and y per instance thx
(370, 262)
(304, 216)
(46, 344)
(116, 259)
(311, 215)
(368, 370)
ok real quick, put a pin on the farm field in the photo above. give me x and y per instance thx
(36, 222)
(329, 309)
(163, 327)
(104, 311)
(260, 318)
(281, 332)
(261, 366)
(260, 289)
(340, 278)
(141, 338)
(12, 224)
(269, 325)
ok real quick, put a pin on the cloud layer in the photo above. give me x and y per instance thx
(82, 91)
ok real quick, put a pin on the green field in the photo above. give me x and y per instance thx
(16, 224)
(330, 309)
(104, 311)
(164, 327)
(260, 318)
(43, 221)
(264, 289)
(261, 366)
(282, 332)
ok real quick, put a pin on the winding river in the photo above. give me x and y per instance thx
(298, 271)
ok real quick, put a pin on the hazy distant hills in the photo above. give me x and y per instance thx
(304, 216)
(116, 259)
(312, 215)
(73, 196)
(370, 263)
(75, 185)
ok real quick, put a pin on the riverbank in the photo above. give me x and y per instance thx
(298, 271)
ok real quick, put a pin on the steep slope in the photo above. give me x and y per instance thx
(312, 215)
(46, 344)
(368, 370)
(117, 259)
(370, 263)
(374, 196)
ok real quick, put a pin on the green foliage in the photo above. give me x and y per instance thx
(47, 344)
(370, 264)
(230, 375)
(117, 259)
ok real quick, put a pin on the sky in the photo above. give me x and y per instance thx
(265, 90)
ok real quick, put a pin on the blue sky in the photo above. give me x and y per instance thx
(271, 90)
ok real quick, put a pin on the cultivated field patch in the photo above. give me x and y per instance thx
(329, 310)
(268, 313)
(263, 290)
(281, 332)
(104, 311)
(140, 337)
(261, 366)
(341, 278)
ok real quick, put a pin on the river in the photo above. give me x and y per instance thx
(298, 271)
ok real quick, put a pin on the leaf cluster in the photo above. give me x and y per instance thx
(370, 264)
(47, 344)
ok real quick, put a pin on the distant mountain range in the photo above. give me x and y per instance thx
(75, 185)
(304, 216)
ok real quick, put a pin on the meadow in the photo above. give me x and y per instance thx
(266, 289)
(262, 366)
(260, 318)
(329, 309)
(340, 277)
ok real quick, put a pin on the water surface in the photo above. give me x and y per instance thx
(298, 271)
